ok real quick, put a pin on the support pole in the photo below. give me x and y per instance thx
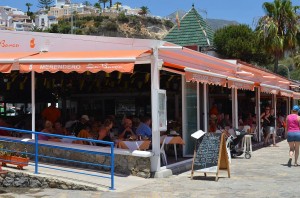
(33, 103)
(155, 159)
(257, 104)
(198, 106)
(205, 107)
(234, 108)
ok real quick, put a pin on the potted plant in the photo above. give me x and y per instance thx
(15, 158)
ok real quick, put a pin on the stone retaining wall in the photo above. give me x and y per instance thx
(124, 164)
(18, 179)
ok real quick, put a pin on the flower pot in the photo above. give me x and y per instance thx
(4, 159)
(15, 160)
(19, 161)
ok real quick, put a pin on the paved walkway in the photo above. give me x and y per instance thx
(264, 175)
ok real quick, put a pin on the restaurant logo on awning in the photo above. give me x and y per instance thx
(4, 44)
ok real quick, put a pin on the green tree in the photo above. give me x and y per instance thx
(45, 3)
(28, 5)
(239, 42)
(277, 30)
(118, 4)
(144, 11)
(97, 5)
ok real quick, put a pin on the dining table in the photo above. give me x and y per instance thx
(134, 145)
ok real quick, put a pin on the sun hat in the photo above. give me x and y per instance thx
(86, 117)
(295, 108)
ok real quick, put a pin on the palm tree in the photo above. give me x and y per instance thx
(45, 3)
(118, 4)
(28, 5)
(277, 30)
(86, 3)
(144, 10)
(104, 2)
(110, 3)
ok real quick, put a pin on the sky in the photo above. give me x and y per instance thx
(242, 11)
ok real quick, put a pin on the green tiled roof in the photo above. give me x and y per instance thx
(193, 31)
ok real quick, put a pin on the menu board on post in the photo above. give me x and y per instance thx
(162, 110)
(210, 155)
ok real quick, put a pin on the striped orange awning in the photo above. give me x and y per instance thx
(94, 61)
(9, 59)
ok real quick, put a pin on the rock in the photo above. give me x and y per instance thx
(45, 185)
(33, 183)
(63, 186)
(22, 181)
(53, 185)
(8, 181)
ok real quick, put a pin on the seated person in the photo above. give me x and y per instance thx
(104, 132)
(78, 126)
(84, 133)
(144, 129)
(58, 129)
(126, 131)
(47, 129)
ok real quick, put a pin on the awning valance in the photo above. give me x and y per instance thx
(240, 83)
(285, 92)
(296, 95)
(205, 77)
(269, 89)
(95, 61)
(8, 59)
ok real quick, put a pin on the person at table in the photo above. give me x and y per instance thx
(47, 129)
(51, 113)
(58, 129)
(78, 126)
(95, 127)
(144, 129)
(104, 132)
(84, 133)
(126, 130)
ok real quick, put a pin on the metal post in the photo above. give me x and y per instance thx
(33, 103)
(36, 157)
(234, 107)
(275, 110)
(205, 108)
(183, 109)
(112, 164)
(257, 103)
(155, 160)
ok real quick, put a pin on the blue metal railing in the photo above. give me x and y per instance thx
(36, 153)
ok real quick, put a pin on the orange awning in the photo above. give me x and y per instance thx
(95, 61)
(240, 83)
(205, 77)
(296, 96)
(285, 92)
(269, 89)
(8, 59)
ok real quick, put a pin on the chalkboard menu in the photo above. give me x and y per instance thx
(207, 152)
(210, 155)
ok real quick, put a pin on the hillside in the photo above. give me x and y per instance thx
(121, 25)
(115, 26)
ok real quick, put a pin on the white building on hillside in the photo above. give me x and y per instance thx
(14, 19)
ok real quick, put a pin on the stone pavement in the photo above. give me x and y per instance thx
(264, 175)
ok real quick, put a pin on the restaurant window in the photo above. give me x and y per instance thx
(190, 116)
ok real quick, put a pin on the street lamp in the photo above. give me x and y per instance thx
(287, 68)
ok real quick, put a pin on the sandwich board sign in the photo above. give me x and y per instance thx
(210, 155)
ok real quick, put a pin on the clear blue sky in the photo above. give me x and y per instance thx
(242, 11)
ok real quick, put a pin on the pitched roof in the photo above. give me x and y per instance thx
(193, 31)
